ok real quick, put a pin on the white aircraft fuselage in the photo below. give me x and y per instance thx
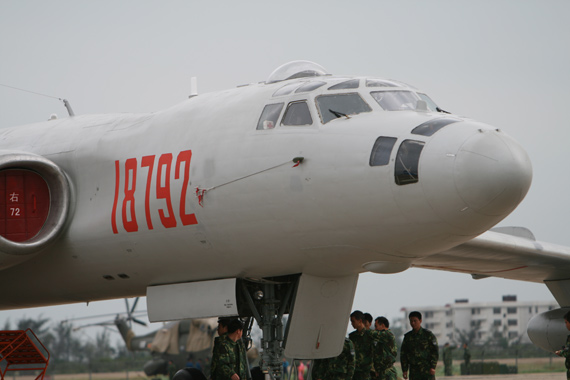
(135, 218)
(263, 200)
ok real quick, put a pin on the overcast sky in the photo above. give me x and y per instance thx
(505, 63)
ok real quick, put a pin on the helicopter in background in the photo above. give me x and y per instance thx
(188, 343)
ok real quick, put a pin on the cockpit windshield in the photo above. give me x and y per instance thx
(341, 105)
(398, 100)
(430, 103)
(380, 83)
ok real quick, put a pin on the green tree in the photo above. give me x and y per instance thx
(496, 338)
(64, 344)
(99, 349)
(39, 327)
(464, 336)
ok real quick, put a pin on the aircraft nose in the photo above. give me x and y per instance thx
(474, 176)
(492, 173)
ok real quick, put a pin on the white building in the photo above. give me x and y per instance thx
(489, 320)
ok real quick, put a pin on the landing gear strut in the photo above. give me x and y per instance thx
(267, 300)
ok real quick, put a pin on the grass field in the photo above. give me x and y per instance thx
(527, 365)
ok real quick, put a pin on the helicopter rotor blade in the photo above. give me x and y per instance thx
(134, 305)
(139, 322)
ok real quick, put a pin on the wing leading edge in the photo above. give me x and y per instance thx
(510, 253)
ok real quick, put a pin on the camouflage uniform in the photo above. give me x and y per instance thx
(364, 353)
(448, 360)
(337, 368)
(216, 354)
(230, 359)
(566, 354)
(385, 355)
(467, 358)
(171, 370)
(419, 354)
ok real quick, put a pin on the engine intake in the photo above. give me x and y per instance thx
(34, 205)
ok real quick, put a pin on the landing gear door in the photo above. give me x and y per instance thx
(191, 300)
(320, 316)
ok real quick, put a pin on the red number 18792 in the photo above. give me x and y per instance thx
(163, 190)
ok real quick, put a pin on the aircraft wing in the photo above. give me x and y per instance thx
(511, 253)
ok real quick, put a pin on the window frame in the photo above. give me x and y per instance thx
(378, 148)
(314, 85)
(400, 90)
(287, 89)
(398, 179)
(340, 94)
(431, 127)
(289, 105)
(349, 84)
(381, 83)
(276, 120)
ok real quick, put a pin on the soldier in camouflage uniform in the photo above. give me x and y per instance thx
(367, 320)
(565, 351)
(419, 352)
(467, 358)
(230, 358)
(385, 352)
(448, 359)
(338, 368)
(222, 331)
(363, 341)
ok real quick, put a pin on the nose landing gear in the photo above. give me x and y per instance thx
(267, 300)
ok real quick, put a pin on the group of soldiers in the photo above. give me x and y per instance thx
(448, 359)
(366, 355)
(371, 354)
(376, 351)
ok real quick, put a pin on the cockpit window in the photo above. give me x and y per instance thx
(380, 83)
(341, 105)
(297, 114)
(430, 103)
(396, 100)
(310, 86)
(382, 150)
(269, 116)
(352, 83)
(408, 162)
(287, 89)
(430, 127)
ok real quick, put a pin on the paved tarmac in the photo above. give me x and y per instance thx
(527, 376)
(141, 376)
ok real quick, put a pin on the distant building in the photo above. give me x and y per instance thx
(488, 320)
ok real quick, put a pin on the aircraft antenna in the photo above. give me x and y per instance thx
(193, 87)
(65, 102)
(68, 107)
